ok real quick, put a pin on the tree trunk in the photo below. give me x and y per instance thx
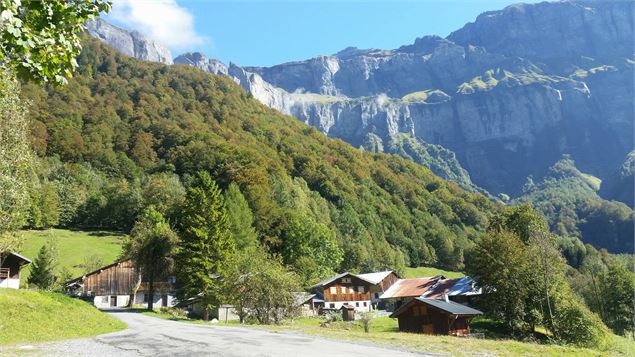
(135, 289)
(206, 313)
(151, 291)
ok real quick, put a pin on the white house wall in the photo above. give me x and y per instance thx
(359, 305)
(10, 283)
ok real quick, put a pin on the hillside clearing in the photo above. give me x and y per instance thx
(429, 271)
(75, 248)
(33, 316)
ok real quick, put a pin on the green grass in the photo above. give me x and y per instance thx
(384, 331)
(33, 316)
(74, 247)
(429, 271)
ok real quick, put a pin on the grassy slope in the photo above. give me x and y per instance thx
(384, 330)
(429, 271)
(73, 247)
(32, 316)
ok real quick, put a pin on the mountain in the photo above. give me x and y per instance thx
(619, 185)
(570, 201)
(132, 44)
(124, 133)
(494, 103)
(512, 92)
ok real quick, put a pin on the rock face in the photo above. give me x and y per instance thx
(199, 61)
(505, 96)
(129, 43)
(509, 93)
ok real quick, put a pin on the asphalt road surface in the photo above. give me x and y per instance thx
(151, 336)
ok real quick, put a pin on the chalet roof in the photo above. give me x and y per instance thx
(410, 287)
(331, 279)
(450, 307)
(452, 287)
(20, 258)
(375, 278)
(371, 278)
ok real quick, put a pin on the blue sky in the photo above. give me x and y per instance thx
(264, 33)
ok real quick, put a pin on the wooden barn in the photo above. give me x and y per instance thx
(10, 268)
(112, 286)
(435, 317)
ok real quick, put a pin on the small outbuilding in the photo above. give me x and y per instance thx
(435, 317)
(11, 264)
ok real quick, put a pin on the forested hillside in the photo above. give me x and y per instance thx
(124, 134)
(569, 200)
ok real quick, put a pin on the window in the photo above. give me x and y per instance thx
(346, 280)
(332, 305)
(365, 304)
(333, 290)
(343, 289)
(376, 295)
(145, 298)
(357, 304)
(360, 289)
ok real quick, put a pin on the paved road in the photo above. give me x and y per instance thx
(150, 336)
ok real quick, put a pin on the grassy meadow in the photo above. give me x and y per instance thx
(75, 248)
(429, 271)
(34, 316)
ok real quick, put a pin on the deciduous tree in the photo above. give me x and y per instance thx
(152, 247)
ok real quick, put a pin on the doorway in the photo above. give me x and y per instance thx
(113, 301)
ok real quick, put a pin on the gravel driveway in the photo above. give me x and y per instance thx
(151, 336)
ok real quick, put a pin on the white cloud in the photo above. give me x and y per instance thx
(161, 20)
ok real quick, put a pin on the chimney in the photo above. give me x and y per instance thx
(446, 298)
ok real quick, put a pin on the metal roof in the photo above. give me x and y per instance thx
(410, 287)
(452, 287)
(450, 307)
(375, 278)
(302, 297)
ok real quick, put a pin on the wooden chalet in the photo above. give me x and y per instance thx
(358, 291)
(435, 317)
(112, 286)
(10, 268)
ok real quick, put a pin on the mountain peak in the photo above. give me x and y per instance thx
(130, 43)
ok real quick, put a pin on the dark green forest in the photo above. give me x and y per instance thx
(125, 134)
(570, 201)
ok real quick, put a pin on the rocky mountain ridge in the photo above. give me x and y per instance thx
(130, 43)
(506, 104)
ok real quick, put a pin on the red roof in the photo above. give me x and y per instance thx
(410, 287)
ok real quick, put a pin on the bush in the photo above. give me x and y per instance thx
(575, 324)
(366, 319)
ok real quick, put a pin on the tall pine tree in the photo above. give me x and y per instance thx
(43, 267)
(206, 243)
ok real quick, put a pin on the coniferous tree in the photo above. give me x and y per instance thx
(43, 267)
(206, 243)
